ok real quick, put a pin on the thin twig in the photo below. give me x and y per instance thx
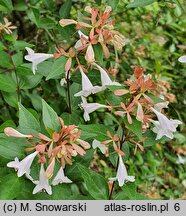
(120, 147)
(68, 92)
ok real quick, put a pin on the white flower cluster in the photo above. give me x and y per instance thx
(23, 167)
(88, 88)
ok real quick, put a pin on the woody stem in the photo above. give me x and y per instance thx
(112, 188)
(68, 92)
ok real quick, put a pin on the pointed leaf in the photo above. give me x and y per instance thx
(135, 127)
(50, 118)
(96, 184)
(27, 120)
(10, 187)
(58, 68)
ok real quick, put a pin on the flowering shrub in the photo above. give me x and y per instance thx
(59, 147)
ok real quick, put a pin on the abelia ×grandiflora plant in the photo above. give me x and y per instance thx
(60, 148)
(143, 100)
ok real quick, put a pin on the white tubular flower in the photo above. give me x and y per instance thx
(122, 175)
(160, 106)
(79, 42)
(87, 87)
(23, 167)
(89, 108)
(36, 58)
(61, 178)
(105, 79)
(97, 144)
(180, 160)
(11, 132)
(14, 164)
(164, 126)
(42, 183)
(28, 176)
(182, 59)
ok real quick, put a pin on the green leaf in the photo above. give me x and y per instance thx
(58, 68)
(34, 15)
(10, 187)
(20, 6)
(47, 23)
(10, 37)
(7, 84)
(135, 127)
(129, 193)
(44, 68)
(2, 47)
(5, 61)
(96, 184)
(27, 120)
(110, 96)
(73, 118)
(6, 5)
(49, 4)
(98, 129)
(11, 147)
(61, 192)
(98, 2)
(64, 11)
(27, 79)
(17, 59)
(150, 139)
(11, 98)
(113, 3)
(20, 45)
(50, 118)
(98, 53)
(8, 123)
(85, 159)
(140, 3)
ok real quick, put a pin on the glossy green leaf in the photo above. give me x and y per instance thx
(129, 192)
(135, 127)
(6, 5)
(7, 84)
(150, 139)
(17, 59)
(47, 23)
(5, 60)
(96, 184)
(27, 79)
(11, 98)
(98, 53)
(11, 147)
(73, 118)
(8, 123)
(20, 45)
(34, 15)
(98, 129)
(10, 187)
(58, 68)
(50, 118)
(27, 119)
(64, 11)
